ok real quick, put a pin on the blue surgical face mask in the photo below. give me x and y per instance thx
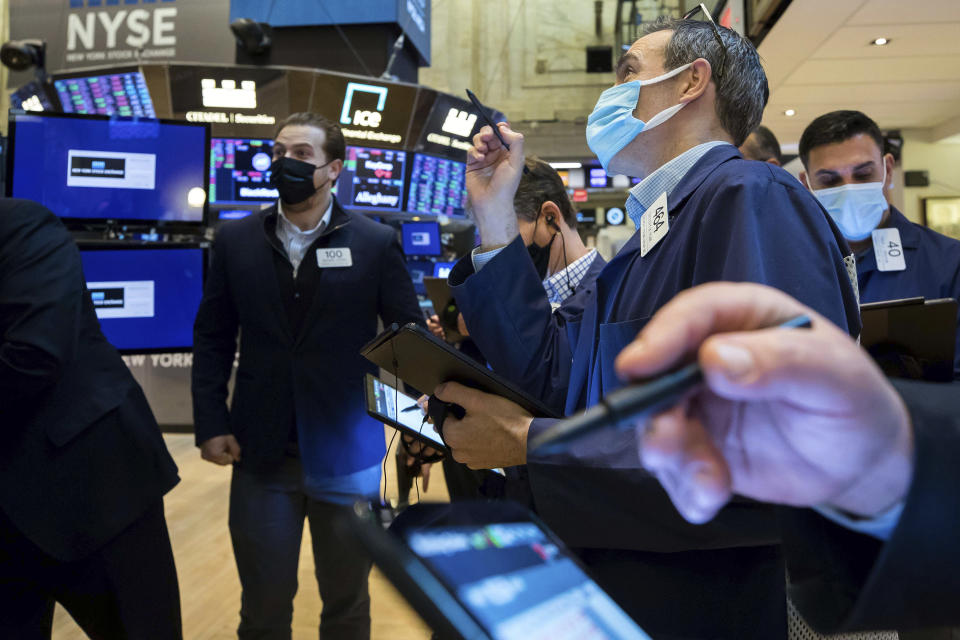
(612, 126)
(855, 208)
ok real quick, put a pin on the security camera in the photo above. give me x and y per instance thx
(252, 36)
(20, 55)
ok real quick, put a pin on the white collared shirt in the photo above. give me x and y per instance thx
(295, 241)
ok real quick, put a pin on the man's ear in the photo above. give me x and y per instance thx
(334, 169)
(695, 80)
(888, 163)
(550, 214)
(804, 180)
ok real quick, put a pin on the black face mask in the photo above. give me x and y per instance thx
(294, 179)
(541, 256)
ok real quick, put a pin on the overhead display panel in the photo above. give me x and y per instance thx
(235, 100)
(372, 179)
(369, 113)
(447, 129)
(120, 91)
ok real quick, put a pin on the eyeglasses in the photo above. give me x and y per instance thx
(716, 34)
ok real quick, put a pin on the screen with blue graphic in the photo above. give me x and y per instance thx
(421, 239)
(437, 186)
(418, 270)
(91, 168)
(372, 179)
(442, 269)
(122, 94)
(146, 299)
(519, 584)
(240, 171)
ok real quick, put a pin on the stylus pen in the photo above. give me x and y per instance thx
(496, 130)
(624, 408)
(408, 409)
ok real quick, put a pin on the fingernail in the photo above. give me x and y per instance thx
(737, 361)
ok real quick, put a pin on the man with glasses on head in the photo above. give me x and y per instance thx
(686, 94)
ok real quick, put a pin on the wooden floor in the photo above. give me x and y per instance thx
(209, 588)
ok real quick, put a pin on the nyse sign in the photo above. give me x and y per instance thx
(88, 32)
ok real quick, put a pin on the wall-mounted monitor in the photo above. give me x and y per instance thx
(145, 297)
(122, 92)
(437, 186)
(95, 169)
(421, 239)
(372, 179)
(240, 171)
(34, 96)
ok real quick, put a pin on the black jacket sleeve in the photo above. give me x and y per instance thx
(842, 581)
(397, 297)
(214, 349)
(41, 289)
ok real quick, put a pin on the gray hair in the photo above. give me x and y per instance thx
(742, 90)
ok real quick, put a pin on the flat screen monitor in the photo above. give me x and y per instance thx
(145, 297)
(420, 269)
(122, 93)
(442, 269)
(94, 169)
(372, 179)
(240, 171)
(33, 97)
(421, 239)
(437, 186)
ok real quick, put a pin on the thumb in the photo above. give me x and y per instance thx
(233, 448)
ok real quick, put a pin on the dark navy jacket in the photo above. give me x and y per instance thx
(82, 456)
(933, 269)
(313, 379)
(730, 219)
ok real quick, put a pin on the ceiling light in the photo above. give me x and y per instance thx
(790, 113)
(880, 41)
(566, 165)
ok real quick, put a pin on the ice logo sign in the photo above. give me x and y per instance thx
(459, 123)
(363, 117)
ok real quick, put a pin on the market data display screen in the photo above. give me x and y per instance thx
(372, 179)
(146, 299)
(437, 186)
(519, 584)
(421, 239)
(122, 94)
(93, 168)
(240, 171)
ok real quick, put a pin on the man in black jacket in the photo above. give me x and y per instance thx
(303, 283)
(83, 467)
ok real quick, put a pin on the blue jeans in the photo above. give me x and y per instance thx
(266, 527)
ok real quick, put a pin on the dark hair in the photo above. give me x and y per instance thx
(837, 126)
(764, 145)
(334, 147)
(742, 92)
(539, 184)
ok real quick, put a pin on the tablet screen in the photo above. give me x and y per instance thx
(398, 409)
(519, 584)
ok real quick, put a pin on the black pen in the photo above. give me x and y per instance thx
(496, 130)
(623, 408)
(408, 409)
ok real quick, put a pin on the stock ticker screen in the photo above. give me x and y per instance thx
(372, 179)
(437, 186)
(123, 94)
(519, 584)
(240, 171)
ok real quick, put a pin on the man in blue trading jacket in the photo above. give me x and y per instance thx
(703, 213)
(304, 283)
(849, 173)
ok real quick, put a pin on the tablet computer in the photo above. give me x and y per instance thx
(400, 411)
(423, 361)
(438, 290)
(491, 571)
(911, 338)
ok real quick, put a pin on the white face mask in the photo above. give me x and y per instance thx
(856, 209)
(612, 126)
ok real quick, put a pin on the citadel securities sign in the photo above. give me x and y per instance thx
(81, 33)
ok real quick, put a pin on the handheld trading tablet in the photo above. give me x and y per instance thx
(423, 361)
(400, 411)
(490, 571)
(911, 338)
